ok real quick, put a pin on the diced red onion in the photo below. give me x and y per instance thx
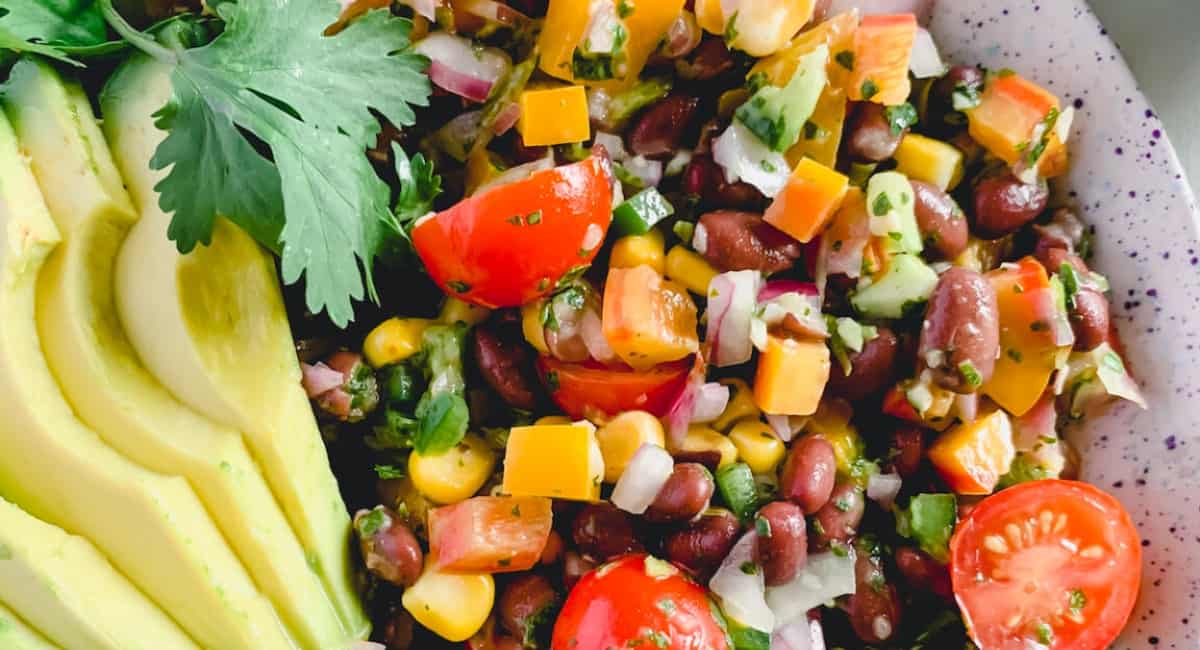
(798, 313)
(613, 144)
(731, 304)
(592, 332)
(642, 479)
(682, 36)
(518, 173)
(600, 36)
(922, 9)
(1037, 423)
(775, 288)
(883, 488)
(781, 425)
(1046, 309)
(650, 172)
(599, 102)
(711, 400)
(506, 118)
(967, 407)
(700, 239)
(741, 593)
(804, 634)
(490, 10)
(825, 576)
(458, 66)
(926, 62)
(743, 156)
(319, 378)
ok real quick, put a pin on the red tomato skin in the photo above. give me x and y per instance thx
(591, 388)
(621, 605)
(484, 250)
(1106, 516)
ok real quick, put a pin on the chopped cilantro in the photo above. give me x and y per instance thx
(882, 205)
(624, 8)
(845, 58)
(869, 89)
(389, 471)
(1078, 600)
(731, 32)
(458, 286)
(762, 527)
(970, 374)
(552, 381)
(371, 523)
(901, 117)
(749, 568)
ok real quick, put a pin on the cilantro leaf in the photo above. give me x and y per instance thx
(419, 186)
(310, 99)
(52, 28)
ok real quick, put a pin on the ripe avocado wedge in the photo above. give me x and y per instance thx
(64, 587)
(211, 326)
(101, 376)
(16, 635)
(152, 527)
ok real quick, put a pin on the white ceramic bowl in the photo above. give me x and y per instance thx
(1129, 185)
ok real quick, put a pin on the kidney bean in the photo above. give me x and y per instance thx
(709, 458)
(553, 551)
(1003, 204)
(703, 544)
(908, 445)
(869, 135)
(398, 630)
(874, 609)
(660, 129)
(1052, 256)
(507, 643)
(1089, 319)
(602, 531)
(706, 179)
(871, 369)
(783, 550)
(940, 220)
(808, 474)
(923, 572)
(389, 548)
(959, 75)
(708, 60)
(685, 494)
(574, 568)
(741, 241)
(505, 367)
(839, 518)
(962, 326)
(526, 600)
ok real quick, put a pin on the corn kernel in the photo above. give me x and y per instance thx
(689, 269)
(702, 438)
(636, 250)
(757, 446)
(455, 475)
(531, 326)
(741, 404)
(623, 436)
(452, 605)
(832, 422)
(929, 160)
(459, 311)
(394, 340)
(552, 419)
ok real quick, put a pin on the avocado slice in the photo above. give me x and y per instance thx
(211, 326)
(152, 527)
(16, 635)
(63, 586)
(98, 369)
(905, 284)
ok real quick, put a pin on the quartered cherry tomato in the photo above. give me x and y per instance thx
(1052, 562)
(593, 388)
(641, 603)
(511, 244)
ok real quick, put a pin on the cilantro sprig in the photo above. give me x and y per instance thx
(309, 99)
(57, 29)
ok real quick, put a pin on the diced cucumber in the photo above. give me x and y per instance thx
(891, 204)
(907, 282)
(777, 115)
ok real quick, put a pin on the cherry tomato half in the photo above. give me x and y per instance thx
(1055, 562)
(509, 245)
(641, 603)
(593, 388)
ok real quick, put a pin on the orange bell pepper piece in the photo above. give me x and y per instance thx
(1027, 349)
(971, 458)
(812, 195)
(1008, 111)
(648, 320)
(791, 376)
(645, 21)
(882, 49)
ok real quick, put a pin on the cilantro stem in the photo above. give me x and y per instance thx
(136, 38)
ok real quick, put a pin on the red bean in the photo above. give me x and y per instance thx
(398, 629)
(923, 572)
(1003, 204)
(602, 531)
(710, 459)
(553, 551)
(526, 600)
(575, 566)
(708, 60)
(685, 494)
(940, 220)
(908, 446)
(869, 135)
(960, 337)
(874, 609)
(1053, 256)
(782, 542)
(809, 474)
(703, 544)
(871, 369)
(839, 518)
(1089, 319)
(660, 130)
(389, 548)
(505, 367)
(741, 241)
(706, 179)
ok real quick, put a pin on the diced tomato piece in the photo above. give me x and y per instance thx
(1010, 108)
(590, 389)
(882, 50)
(490, 534)
(647, 319)
(896, 404)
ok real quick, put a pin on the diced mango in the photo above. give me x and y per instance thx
(552, 116)
(882, 49)
(455, 475)
(648, 320)
(822, 135)
(621, 438)
(701, 438)
(812, 195)
(740, 405)
(791, 376)
(636, 250)
(929, 160)
(452, 605)
(1010, 108)
(1027, 349)
(561, 461)
(689, 269)
(971, 458)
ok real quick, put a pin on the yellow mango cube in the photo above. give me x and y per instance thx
(561, 461)
(933, 161)
(791, 376)
(812, 195)
(552, 116)
(971, 458)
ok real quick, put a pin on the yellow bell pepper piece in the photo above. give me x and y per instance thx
(455, 475)
(741, 404)
(636, 250)
(791, 376)
(702, 438)
(645, 23)
(556, 115)
(758, 27)
(1027, 351)
(621, 438)
(561, 461)
(812, 195)
(820, 142)
(831, 422)
(929, 160)
(837, 33)
(648, 320)
(532, 328)
(452, 605)
(458, 311)
(971, 458)
(689, 269)
(394, 340)
(757, 445)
